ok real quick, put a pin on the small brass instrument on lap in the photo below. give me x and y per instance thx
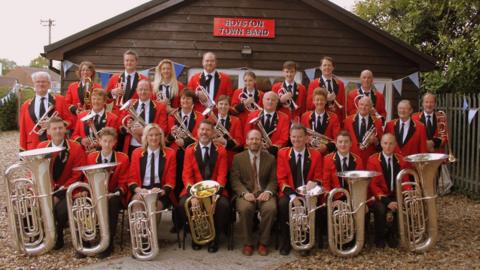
(317, 138)
(38, 129)
(131, 117)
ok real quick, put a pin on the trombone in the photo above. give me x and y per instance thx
(38, 129)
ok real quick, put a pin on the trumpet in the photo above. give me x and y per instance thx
(373, 112)
(29, 202)
(290, 104)
(266, 141)
(346, 219)
(443, 132)
(119, 98)
(253, 106)
(334, 102)
(131, 117)
(418, 226)
(317, 138)
(38, 129)
(92, 137)
(302, 217)
(366, 137)
(207, 102)
(85, 214)
(180, 131)
(200, 218)
(220, 130)
(87, 98)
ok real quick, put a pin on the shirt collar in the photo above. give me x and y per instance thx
(156, 152)
(321, 114)
(205, 73)
(60, 145)
(252, 154)
(428, 114)
(301, 152)
(109, 157)
(406, 122)
(186, 114)
(39, 97)
(386, 157)
(287, 83)
(325, 79)
(341, 156)
(131, 74)
(209, 145)
(100, 113)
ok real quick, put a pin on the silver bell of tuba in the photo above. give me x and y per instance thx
(346, 218)
(87, 213)
(418, 228)
(29, 202)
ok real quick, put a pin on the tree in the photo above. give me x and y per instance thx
(40, 62)
(448, 30)
(7, 65)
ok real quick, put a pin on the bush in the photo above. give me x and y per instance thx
(8, 111)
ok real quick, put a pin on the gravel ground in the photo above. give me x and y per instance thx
(458, 245)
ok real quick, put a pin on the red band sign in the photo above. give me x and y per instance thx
(243, 27)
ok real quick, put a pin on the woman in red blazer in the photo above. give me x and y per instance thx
(165, 85)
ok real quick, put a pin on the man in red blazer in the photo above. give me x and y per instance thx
(389, 164)
(367, 88)
(121, 87)
(358, 124)
(410, 134)
(334, 86)
(215, 83)
(149, 110)
(116, 183)
(206, 161)
(296, 166)
(101, 119)
(63, 174)
(321, 120)
(275, 123)
(32, 111)
(436, 140)
(293, 91)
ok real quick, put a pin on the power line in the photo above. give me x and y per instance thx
(48, 23)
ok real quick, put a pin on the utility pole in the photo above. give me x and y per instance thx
(48, 23)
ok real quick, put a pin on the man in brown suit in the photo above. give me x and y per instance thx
(255, 187)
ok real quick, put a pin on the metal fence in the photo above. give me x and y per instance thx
(465, 141)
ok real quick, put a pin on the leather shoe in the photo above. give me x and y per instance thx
(212, 247)
(262, 250)
(247, 250)
(196, 246)
(59, 244)
(380, 244)
(285, 250)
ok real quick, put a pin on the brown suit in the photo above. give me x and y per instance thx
(242, 181)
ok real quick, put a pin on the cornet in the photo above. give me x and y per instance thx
(38, 129)
(92, 137)
(87, 98)
(220, 130)
(372, 131)
(290, 103)
(253, 106)
(207, 102)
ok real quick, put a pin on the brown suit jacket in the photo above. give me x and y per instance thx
(241, 176)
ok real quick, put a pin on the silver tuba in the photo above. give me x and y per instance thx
(29, 202)
(418, 228)
(87, 213)
(346, 219)
(302, 217)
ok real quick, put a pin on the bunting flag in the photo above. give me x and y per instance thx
(380, 87)
(310, 73)
(398, 85)
(104, 77)
(471, 115)
(145, 72)
(414, 78)
(465, 104)
(66, 66)
(178, 68)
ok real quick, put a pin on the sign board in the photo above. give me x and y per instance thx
(244, 27)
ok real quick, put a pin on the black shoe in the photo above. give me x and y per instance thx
(392, 241)
(380, 243)
(79, 255)
(173, 229)
(285, 250)
(212, 247)
(304, 253)
(106, 253)
(59, 244)
(196, 246)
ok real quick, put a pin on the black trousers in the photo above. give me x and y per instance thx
(178, 179)
(114, 207)
(61, 216)
(382, 228)
(221, 216)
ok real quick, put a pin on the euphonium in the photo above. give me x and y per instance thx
(200, 219)
(346, 218)
(86, 213)
(302, 217)
(253, 106)
(29, 203)
(317, 138)
(372, 131)
(208, 103)
(37, 129)
(143, 226)
(93, 137)
(417, 226)
(290, 103)
(443, 132)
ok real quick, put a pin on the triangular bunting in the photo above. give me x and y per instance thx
(414, 78)
(471, 115)
(465, 104)
(380, 87)
(178, 68)
(310, 73)
(145, 72)
(104, 77)
(398, 85)
(66, 66)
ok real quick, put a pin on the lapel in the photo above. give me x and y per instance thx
(411, 130)
(306, 164)
(256, 96)
(213, 158)
(135, 79)
(292, 163)
(352, 163)
(338, 164)
(356, 127)
(51, 102)
(143, 164)
(98, 159)
(395, 168)
(103, 121)
(199, 158)
(398, 136)
(86, 127)
(161, 163)
(152, 112)
(191, 121)
(227, 122)
(383, 163)
(323, 84)
(216, 83)
(80, 92)
(59, 164)
(202, 80)
(31, 110)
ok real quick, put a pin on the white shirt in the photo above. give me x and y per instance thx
(391, 166)
(325, 79)
(146, 179)
(38, 101)
(341, 159)
(360, 117)
(211, 86)
(209, 145)
(405, 128)
(108, 158)
(59, 145)
(147, 109)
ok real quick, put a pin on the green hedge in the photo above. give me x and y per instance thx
(8, 111)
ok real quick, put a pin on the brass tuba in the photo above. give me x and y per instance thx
(87, 213)
(302, 217)
(346, 219)
(200, 219)
(29, 202)
(418, 228)
(143, 226)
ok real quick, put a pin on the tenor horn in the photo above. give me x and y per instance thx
(253, 106)
(207, 102)
(87, 213)
(417, 217)
(29, 202)
(346, 218)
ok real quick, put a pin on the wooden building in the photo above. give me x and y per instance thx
(305, 30)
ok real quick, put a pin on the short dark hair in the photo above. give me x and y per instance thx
(328, 58)
(188, 93)
(290, 65)
(207, 122)
(56, 119)
(298, 126)
(223, 97)
(131, 52)
(345, 133)
(108, 131)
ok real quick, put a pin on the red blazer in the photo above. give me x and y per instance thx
(28, 119)
(378, 186)
(331, 122)
(82, 130)
(280, 120)
(167, 164)
(338, 88)
(175, 101)
(193, 167)
(112, 83)
(439, 140)
(312, 168)
(119, 177)
(378, 101)
(299, 97)
(223, 86)
(157, 115)
(75, 158)
(351, 125)
(332, 165)
(416, 140)
(75, 95)
(195, 120)
(237, 106)
(234, 127)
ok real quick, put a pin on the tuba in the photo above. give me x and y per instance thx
(85, 214)
(37, 129)
(346, 219)
(418, 228)
(208, 103)
(29, 202)
(318, 138)
(443, 132)
(252, 107)
(143, 226)
(302, 217)
(266, 141)
(200, 219)
(93, 137)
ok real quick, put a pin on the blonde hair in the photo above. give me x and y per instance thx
(146, 130)
(159, 80)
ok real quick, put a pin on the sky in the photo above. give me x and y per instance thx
(24, 36)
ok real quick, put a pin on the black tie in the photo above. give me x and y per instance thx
(127, 87)
(367, 94)
(142, 112)
(329, 85)
(167, 91)
(363, 128)
(185, 120)
(206, 162)
(268, 122)
(105, 161)
(222, 121)
(389, 173)
(43, 136)
(207, 83)
(429, 127)
(152, 169)
(401, 132)
(298, 172)
(318, 125)
(344, 169)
